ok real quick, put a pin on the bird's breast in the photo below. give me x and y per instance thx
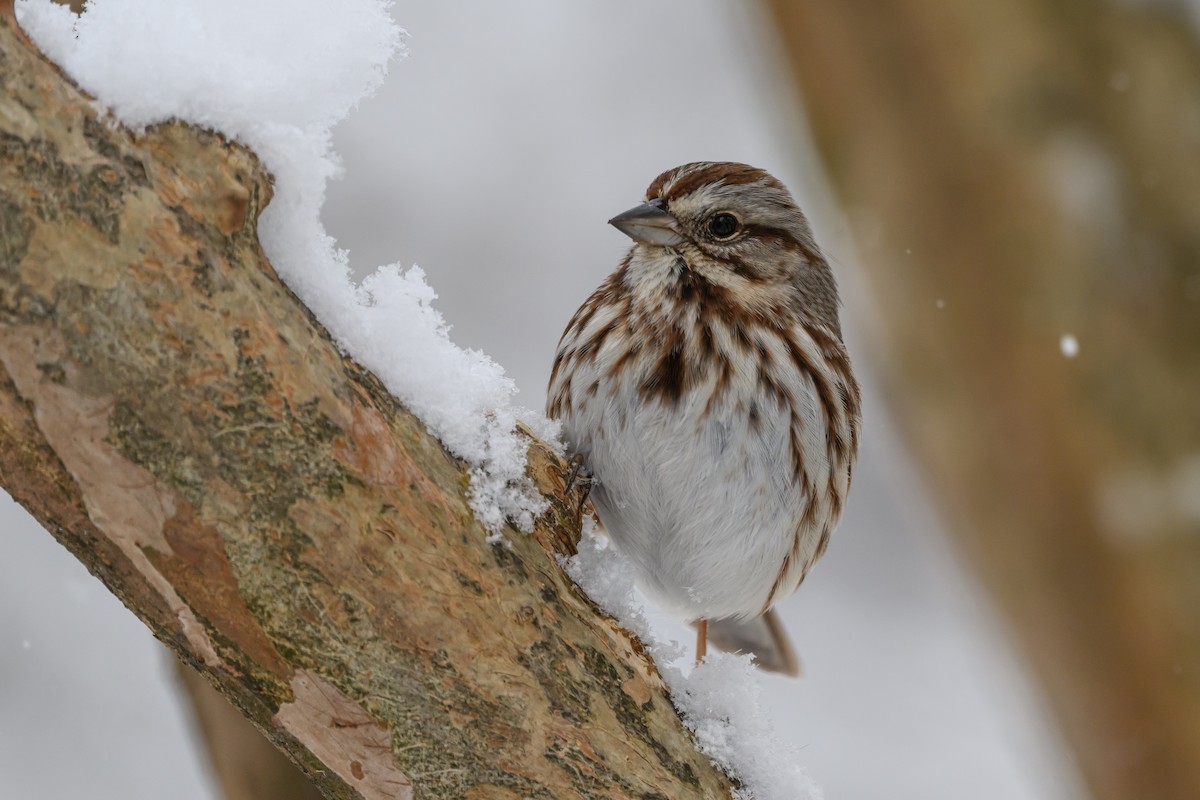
(695, 475)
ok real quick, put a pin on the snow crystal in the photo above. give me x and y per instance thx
(718, 699)
(277, 75)
(607, 577)
(1069, 345)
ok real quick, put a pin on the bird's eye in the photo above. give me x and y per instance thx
(723, 225)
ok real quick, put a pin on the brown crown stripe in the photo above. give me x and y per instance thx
(654, 190)
(684, 180)
(690, 177)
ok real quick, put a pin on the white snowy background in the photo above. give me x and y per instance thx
(492, 156)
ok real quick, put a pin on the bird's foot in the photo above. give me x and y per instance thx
(579, 476)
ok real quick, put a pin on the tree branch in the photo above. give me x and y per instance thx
(181, 423)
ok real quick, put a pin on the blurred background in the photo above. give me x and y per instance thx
(1010, 196)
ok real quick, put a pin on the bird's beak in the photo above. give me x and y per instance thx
(649, 224)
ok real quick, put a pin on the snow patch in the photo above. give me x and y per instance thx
(230, 66)
(718, 699)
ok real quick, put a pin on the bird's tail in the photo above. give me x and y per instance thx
(763, 637)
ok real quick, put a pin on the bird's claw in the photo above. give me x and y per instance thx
(578, 476)
(577, 473)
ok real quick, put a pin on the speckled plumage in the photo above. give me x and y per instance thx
(707, 389)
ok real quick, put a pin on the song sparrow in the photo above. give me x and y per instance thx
(706, 389)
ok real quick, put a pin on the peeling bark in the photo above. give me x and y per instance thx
(180, 422)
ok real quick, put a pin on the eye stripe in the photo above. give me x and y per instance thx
(768, 233)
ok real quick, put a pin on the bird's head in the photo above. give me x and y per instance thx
(737, 227)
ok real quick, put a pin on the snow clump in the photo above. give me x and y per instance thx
(277, 75)
(718, 699)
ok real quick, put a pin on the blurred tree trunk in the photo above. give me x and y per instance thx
(180, 422)
(246, 765)
(1014, 172)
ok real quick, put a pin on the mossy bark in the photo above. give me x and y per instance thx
(180, 422)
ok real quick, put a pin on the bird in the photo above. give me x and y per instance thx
(705, 390)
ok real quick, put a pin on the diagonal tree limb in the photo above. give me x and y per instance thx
(180, 422)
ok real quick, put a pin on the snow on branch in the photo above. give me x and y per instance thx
(277, 76)
(262, 501)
